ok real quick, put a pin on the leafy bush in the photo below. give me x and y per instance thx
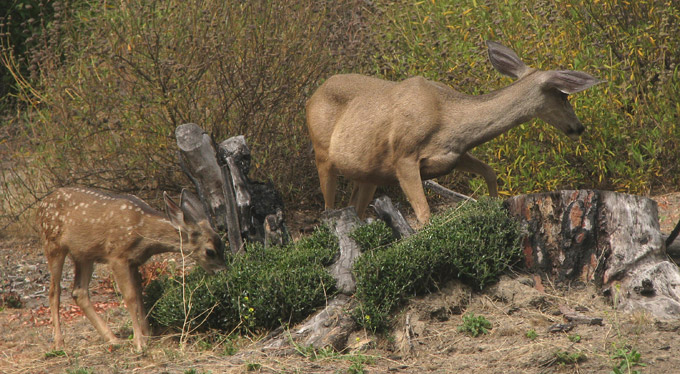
(475, 325)
(373, 235)
(261, 289)
(475, 242)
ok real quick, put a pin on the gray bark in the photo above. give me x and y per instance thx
(342, 222)
(393, 218)
(197, 158)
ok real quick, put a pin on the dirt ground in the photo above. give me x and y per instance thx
(425, 337)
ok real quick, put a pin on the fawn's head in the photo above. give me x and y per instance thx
(204, 244)
(554, 86)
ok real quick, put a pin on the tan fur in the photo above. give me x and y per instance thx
(376, 132)
(94, 226)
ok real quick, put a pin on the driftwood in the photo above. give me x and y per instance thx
(393, 218)
(606, 237)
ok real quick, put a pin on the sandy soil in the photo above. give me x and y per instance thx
(425, 337)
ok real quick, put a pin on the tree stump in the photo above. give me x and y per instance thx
(609, 238)
(247, 210)
(197, 159)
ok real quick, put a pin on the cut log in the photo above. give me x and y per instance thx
(393, 218)
(342, 222)
(197, 159)
(606, 237)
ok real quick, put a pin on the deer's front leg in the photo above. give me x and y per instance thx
(408, 174)
(129, 281)
(81, 283)
(471, 164)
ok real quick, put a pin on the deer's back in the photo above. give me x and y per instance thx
(80, 220)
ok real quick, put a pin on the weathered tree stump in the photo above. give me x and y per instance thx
(247, 210)
(197, 159)
(606, 237)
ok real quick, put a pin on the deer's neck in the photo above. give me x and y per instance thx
(160, 236)
(478, 119)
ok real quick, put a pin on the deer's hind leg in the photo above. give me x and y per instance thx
(55, 262)
(362, 194)
(471, 164)
(328, 179)
(81, 295)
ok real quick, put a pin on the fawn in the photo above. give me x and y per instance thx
(121, 230)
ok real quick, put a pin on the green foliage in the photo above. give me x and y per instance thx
(627, 359)
(569, 358)
(55, 353)
(260, 290)
(474, 325)
(373, 235)
(531, 334)
(632, 134)
(475, 242)
(576, 338)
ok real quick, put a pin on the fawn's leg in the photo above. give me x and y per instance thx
(81, 295)
(130, 283)
(55, 263)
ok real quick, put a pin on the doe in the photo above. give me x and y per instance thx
(377, 132)
(92, 226)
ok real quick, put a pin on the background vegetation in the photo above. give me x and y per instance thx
(97, 87)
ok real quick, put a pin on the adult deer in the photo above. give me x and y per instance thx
(377, 132)
(121, 230)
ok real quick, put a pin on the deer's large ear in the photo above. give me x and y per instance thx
(505, 60)
(175, 214)
(192, 207)
(570, 82)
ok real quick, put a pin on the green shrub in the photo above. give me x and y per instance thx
(261, 289)
(475, 325)
(475, 242)
(373, 235)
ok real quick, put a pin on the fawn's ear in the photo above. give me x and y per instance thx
(192, 207)
(505, 60)
(175, 214)
(570, 82)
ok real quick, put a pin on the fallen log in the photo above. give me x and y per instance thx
(609, 238)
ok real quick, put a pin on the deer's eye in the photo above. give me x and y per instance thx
(211, 253)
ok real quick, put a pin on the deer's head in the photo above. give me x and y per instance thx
(553, 88)
(203, 243)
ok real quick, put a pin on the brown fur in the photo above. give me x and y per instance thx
(94, 226)
(376, 132)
